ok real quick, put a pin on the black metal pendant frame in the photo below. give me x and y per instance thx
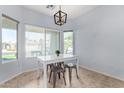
(60, 18)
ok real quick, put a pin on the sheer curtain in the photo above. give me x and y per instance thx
(52, 41)
(41, 41)
(35, 41)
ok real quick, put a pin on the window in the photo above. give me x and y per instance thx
(9, 39)
(52, 41)
(68, 42)
(35, 41)
(41, 41)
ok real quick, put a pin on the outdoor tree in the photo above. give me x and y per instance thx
(68, 41)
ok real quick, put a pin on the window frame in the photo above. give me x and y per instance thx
(73, 43)
(17, 26)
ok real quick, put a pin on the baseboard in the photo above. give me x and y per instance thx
(10, 78)
(109, 75)
(28, 70)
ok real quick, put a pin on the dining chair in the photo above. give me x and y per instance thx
(70, 66)
(56, 69)
(48, 66)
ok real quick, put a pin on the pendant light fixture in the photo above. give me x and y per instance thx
(60, 17)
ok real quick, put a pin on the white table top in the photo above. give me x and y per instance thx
(55, 57)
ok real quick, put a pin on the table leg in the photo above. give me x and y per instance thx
(45, 75)
(78, 66)
(38, 71)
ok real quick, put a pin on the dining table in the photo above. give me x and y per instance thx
(51, 59)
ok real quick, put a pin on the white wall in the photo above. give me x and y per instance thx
(100, 40)
(24, 16)
(10, 69)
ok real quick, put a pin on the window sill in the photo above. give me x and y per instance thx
(30, 57)
(8, 61)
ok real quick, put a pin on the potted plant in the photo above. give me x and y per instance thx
(57, 52)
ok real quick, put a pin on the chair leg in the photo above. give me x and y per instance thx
(50, 66)
(50, 76)
(64, 78)
(64, 69)
(54, 79)
(59, 75)
(47, 67)
(70, 71)
(40, 73)
(76, 72)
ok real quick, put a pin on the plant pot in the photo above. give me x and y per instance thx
(57, 54)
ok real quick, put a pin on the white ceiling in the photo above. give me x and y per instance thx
(73, 11)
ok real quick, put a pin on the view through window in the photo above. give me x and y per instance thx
(35, 41)
(68, 42)
(41, 41)
(9, 39)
